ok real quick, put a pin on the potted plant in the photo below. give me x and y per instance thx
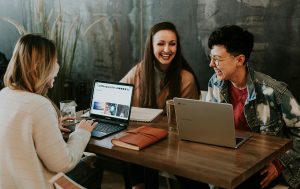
(65, 35)
(65, 38)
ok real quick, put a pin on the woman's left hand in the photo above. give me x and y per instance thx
(63, 123)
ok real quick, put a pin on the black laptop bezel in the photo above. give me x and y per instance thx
(107, 118)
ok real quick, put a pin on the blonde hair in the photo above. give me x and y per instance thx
(32, 64)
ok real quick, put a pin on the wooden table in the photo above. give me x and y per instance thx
(219, 166)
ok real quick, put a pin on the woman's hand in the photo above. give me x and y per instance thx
(271, 173)
(63, 123)
(87, 125)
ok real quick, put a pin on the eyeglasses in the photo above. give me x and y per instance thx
(217, 60)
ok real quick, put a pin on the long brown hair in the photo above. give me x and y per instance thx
(173, 76)
(31, 65)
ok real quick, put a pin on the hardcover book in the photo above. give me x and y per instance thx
(139, 138)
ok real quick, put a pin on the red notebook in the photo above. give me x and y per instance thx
(140, 138)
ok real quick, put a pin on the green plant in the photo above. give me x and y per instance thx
(65, 37)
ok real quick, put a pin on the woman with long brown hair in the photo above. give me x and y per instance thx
(162, 74)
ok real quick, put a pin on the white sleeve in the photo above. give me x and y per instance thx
(54, 152)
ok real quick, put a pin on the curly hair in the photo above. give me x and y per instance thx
(235, 39)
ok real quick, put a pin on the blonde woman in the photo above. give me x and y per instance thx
(32, 147)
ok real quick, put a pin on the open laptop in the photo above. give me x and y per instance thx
(110, 107)
(207, 122)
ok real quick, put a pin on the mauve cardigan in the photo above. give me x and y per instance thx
(188, 86)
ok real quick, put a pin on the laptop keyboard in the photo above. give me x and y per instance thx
(106, 128)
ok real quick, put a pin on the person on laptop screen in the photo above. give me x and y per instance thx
(260, 103)
(33, 149)
(162, 74)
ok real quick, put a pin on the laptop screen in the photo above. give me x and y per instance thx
(111, 101)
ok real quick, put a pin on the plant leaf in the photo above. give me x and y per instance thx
(92, 25)
(15, 23)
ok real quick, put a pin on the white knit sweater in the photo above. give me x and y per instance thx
(32, 149)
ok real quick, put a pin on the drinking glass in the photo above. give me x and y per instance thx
(68, 109)
(171, 115)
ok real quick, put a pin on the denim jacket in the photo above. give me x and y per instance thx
(270, 109)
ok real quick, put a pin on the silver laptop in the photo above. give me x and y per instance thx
(207, 122)
(110, 107)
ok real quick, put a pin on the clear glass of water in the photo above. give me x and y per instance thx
(68, 109)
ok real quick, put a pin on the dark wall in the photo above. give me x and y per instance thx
(114, 45)
(274, 23)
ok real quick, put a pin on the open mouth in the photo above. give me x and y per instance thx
(218, 72)
(165, 56)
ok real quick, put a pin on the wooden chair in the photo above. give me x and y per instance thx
(62, 181)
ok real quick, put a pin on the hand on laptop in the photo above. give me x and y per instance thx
(87, 125)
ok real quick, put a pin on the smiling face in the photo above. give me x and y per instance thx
(227, 66)
(224, 64)
(164, 47)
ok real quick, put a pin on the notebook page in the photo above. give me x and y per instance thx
(144, 114)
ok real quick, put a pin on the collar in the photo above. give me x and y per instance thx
(223, 85)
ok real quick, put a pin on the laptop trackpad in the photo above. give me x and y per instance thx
(98, 133)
